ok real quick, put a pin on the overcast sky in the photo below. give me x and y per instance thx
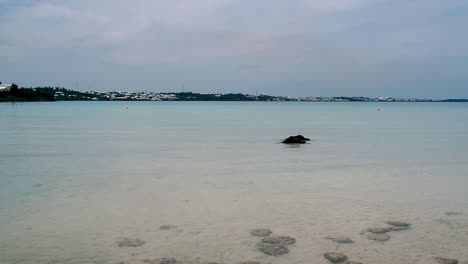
(408, 48)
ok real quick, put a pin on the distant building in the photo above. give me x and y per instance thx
(4, 87)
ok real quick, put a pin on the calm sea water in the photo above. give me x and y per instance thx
(77, 176)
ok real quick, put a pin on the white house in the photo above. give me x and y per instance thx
(4, 87)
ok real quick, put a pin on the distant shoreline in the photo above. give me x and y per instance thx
(291, 101)
(56, 94)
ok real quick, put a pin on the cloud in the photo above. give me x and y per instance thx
(313, 47)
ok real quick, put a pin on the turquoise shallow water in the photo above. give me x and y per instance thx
(75, 172)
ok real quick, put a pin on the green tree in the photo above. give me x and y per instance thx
(14, 89)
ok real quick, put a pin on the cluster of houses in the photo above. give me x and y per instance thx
(359, 99)
(154, 96)
(4, 87)
(139, 96)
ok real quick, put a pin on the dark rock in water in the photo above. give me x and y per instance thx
(398, 223)
(299, 139)
(260, 232)
(279, 240)
(130, 242)
(334, 257)
(378, 237)
(272, 249)
(378, 230)
(446, 260)
(341, 240)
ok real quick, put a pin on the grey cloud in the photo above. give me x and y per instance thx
(308, 47)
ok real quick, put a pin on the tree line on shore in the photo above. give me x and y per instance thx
(39, 94)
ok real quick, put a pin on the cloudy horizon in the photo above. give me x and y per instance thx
(292, 48)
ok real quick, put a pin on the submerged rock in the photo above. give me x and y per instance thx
(452, 213)
(378, 237)
(398, 223)
(167, 261)
(299, 139)
(130, 242)
(272, 249)
(445, 260)
(398, 228)
(335, 257)
(378, 230)
(341, 240)
(275, 246)
(279, 240)
(167, 227)
(260, 232)
(161, 261)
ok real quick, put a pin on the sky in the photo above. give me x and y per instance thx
(400, 48)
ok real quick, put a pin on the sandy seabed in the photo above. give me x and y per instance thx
(208, 219)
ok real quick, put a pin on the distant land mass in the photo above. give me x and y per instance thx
(45, 94)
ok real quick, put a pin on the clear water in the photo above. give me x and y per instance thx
(77, 176)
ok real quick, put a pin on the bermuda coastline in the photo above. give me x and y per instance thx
(52, 94)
